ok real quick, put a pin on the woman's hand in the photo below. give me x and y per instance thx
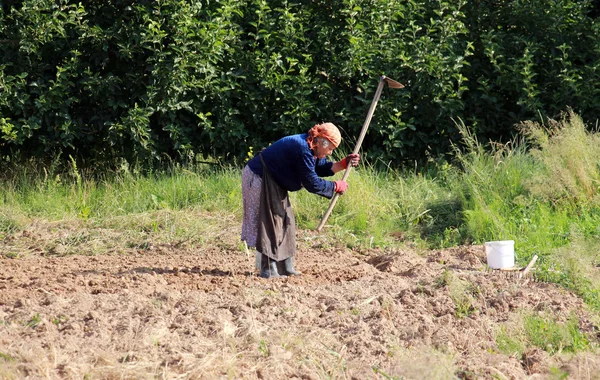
(340, 186)
(352, 159)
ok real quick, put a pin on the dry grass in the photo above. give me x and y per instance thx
(569, 154)
(423, 362)
(581, 259)
(157, 230)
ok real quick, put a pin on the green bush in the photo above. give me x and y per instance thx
(156, 81)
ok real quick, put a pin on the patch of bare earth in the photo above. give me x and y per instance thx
(183, 312)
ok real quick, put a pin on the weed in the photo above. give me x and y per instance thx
(10, 255)
(510, 342)
(443, 280)
(6, 357)
(60, 319)
(460, 291)
(263, 348)
(387, 305)
(8, 224)
(463, 307)
(558, 373)
(549, 335)
(75, 239)
(379, 371)
(34, 321)
(544, 332)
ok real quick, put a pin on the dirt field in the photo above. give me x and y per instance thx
(170, 311)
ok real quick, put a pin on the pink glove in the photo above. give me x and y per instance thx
(340, 186)
(351, 159)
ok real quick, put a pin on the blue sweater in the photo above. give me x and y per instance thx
(293, 166)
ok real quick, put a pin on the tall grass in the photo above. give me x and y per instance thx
(542, 192)
(379, 208)
(112, 211)
(74, 194)
(498, 202)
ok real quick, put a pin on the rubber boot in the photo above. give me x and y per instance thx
(287, 267)
(268, 268)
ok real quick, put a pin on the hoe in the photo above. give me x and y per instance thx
(383, 80)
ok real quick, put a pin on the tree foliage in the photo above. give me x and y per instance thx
(149, 80)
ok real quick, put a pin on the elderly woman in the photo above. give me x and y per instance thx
(289, 164)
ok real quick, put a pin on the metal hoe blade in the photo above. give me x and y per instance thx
(392, 83)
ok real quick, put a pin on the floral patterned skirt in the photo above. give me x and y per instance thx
(251, 186)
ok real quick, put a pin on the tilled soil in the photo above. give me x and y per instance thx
(173, 312)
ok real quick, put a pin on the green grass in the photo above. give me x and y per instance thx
(541, 190)
(75, 195)
(6, 357)
(543, 332)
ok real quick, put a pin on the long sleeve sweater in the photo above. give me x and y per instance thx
(293, 166)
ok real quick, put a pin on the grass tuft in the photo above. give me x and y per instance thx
(544, 332)
(569, 154)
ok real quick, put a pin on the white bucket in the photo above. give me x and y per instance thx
(500, 254)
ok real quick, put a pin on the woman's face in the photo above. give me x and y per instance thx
(323, 148)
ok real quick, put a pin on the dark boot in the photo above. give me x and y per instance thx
(268, 268)
(287, 267)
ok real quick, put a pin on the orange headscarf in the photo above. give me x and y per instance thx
(325, 130)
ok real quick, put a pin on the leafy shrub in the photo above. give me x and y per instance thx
(151, 82)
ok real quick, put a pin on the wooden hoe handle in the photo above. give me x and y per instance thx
(363, 132)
